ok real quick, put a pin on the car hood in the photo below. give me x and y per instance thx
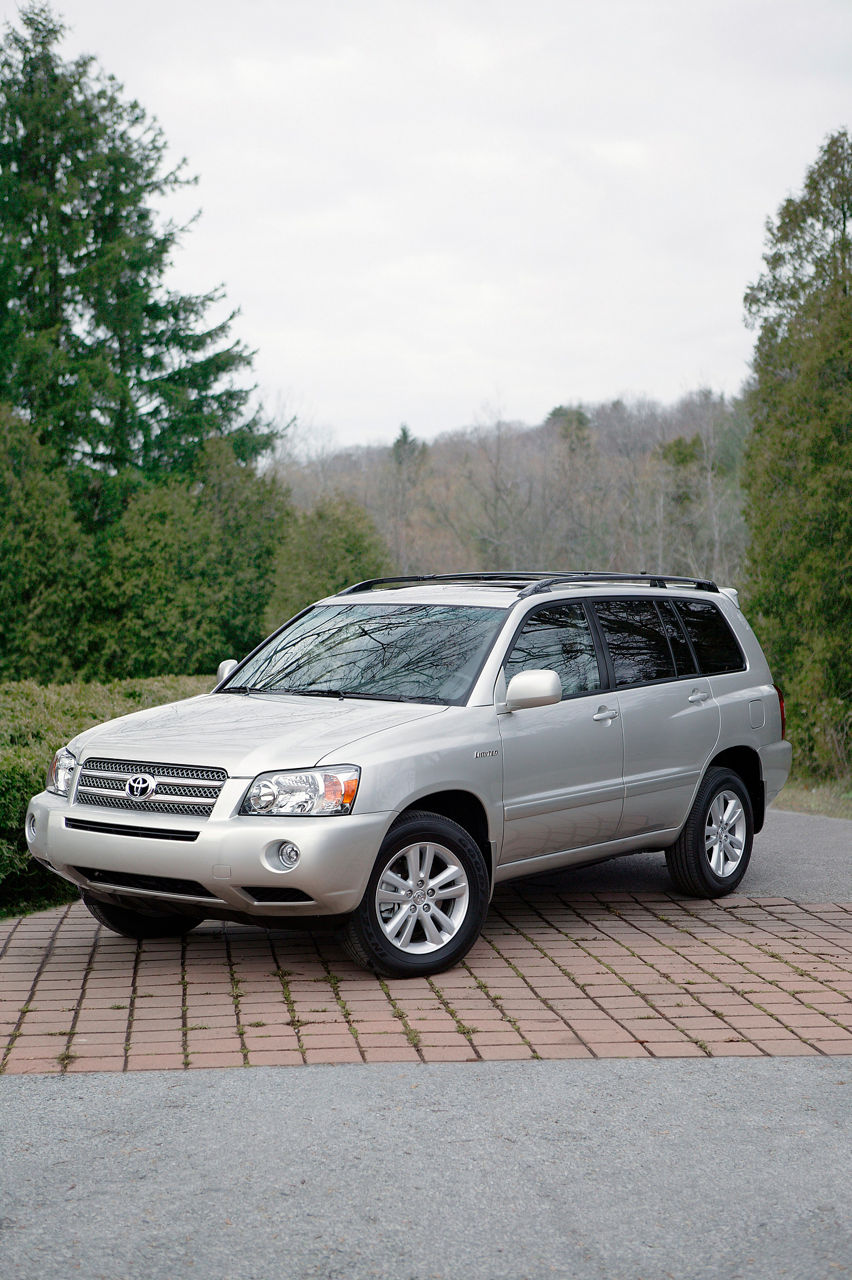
(247, 734)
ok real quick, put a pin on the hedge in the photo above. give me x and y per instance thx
(35, 720)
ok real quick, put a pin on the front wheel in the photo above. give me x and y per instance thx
(140, 924)
(426, 899)
(711, 854)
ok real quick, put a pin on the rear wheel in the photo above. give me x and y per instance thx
(426, 899)
(140, 924)
(711, 854)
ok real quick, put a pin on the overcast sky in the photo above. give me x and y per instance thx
(440, 211)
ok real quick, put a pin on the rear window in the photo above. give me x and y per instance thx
(712, 638)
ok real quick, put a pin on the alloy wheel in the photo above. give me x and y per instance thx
(725, 833)
(422, 897)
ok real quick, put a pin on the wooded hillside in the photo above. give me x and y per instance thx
(624, 486)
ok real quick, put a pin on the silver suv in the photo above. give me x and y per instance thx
(393, 751)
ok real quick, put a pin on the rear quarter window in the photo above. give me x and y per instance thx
(716, 648)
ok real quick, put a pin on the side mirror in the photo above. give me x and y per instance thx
(533, 689)
(225, 669)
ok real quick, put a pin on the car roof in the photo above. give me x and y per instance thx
(505, 590)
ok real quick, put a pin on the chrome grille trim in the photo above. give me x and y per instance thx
(126, 768)
(186, 790)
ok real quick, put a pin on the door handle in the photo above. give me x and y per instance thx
(605, 713)
(698, 696)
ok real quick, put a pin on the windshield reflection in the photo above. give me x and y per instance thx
(416, 653)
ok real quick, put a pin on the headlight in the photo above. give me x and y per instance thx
(302, 792)
(60, 772)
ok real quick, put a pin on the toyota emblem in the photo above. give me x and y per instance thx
(140, 786)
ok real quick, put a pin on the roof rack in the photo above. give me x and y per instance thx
(532, 582)
(661, 580)
(494, 579)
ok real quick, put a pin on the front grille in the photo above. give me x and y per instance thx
(188, 791)
(151, 884)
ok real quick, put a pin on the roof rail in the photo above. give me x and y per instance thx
(661, 580)
(404, 580)
(532, 582)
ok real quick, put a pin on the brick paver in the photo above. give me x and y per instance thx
(554, 975)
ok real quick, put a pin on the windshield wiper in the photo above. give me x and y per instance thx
(306, 693)
(339, 694)
(355, 693)
(313, 693)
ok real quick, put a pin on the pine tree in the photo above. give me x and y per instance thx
(46, 564)
(324, 550)
(187, 571)
(115, 370)
(799, 465)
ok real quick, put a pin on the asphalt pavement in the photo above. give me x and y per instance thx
(707, 1169)
(621, 1170)
(796, 855)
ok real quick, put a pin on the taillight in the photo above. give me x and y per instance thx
(783, 713)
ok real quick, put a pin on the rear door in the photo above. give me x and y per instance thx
(670, 718)
(562, 785)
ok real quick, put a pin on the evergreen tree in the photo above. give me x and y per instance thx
(325, 550)
(799, 464)
(116, 370)
(188, 569)
(46, 565)
(407, 460)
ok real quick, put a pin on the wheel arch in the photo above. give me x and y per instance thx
(745, 762)
(468, 811)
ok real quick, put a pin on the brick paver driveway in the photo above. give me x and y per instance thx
(555, 975)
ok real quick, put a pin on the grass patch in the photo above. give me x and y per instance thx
(828, 799)
(33, 889)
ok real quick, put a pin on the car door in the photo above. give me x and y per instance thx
(562, 784)
(670, 718)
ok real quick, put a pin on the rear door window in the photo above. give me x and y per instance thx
(677, 639)
(636, 641)
(712, 638)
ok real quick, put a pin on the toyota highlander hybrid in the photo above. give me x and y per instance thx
(394, 751)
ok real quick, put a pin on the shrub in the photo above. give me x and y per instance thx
(35, 720)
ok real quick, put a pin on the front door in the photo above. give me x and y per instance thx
(562, 764)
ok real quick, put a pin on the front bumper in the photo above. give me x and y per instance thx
(222, 866)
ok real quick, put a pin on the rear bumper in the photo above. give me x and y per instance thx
(223, 867)
(775, 761)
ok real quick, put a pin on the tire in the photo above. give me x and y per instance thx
(426, 900)
(140, 924)
(712, 852)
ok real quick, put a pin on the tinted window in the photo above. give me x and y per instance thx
(560, 640)
(680, 647)
(636, 641)
(413, 653)
(712, 638)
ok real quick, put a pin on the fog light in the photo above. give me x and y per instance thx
(288, 855)
(31, 826)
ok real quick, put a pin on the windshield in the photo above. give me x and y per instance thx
(397, 652)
